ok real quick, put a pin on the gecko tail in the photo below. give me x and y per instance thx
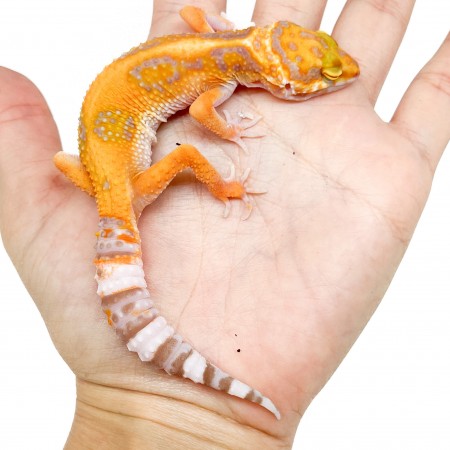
(126, 302)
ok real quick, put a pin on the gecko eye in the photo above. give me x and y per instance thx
(331, 66)
(332, 73)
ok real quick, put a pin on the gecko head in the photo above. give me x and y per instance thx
(310, 63)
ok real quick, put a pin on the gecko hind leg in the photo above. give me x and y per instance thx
(204, 22)
(73, 169)
(149, 184)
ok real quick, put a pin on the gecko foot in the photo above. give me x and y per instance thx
(241, 123)
(247, 195)
(205, 22)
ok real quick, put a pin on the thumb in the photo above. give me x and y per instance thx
(28, 140)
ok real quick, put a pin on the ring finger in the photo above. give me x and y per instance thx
(371, 31)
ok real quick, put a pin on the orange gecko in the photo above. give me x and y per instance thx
(119, 118)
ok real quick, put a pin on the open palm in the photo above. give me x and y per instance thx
(276, 300)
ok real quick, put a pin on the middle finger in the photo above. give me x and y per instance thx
(166, 19)
(306, 13)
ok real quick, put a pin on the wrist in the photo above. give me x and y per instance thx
(118, 418)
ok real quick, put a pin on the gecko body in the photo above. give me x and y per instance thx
(119, 119)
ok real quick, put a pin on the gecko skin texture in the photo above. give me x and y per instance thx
(120, 115)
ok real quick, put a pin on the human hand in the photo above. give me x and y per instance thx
(331, 230)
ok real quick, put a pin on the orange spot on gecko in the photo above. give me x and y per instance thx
(127, 238)
(118, 259)
(109, 316)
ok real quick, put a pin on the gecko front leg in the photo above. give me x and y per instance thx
(203, 109)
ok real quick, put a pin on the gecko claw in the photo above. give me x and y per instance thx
(252, 121)
(227, 209)
(241, 144)
(245, 175)
(252, 191)
(232, 175)
(244, 181)
(248, 207)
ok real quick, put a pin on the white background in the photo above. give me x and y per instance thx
(391, 392)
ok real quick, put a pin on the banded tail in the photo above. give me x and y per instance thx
(130, 310)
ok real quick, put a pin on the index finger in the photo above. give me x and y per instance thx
(371, 31)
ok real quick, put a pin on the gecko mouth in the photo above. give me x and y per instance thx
(288, 93)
